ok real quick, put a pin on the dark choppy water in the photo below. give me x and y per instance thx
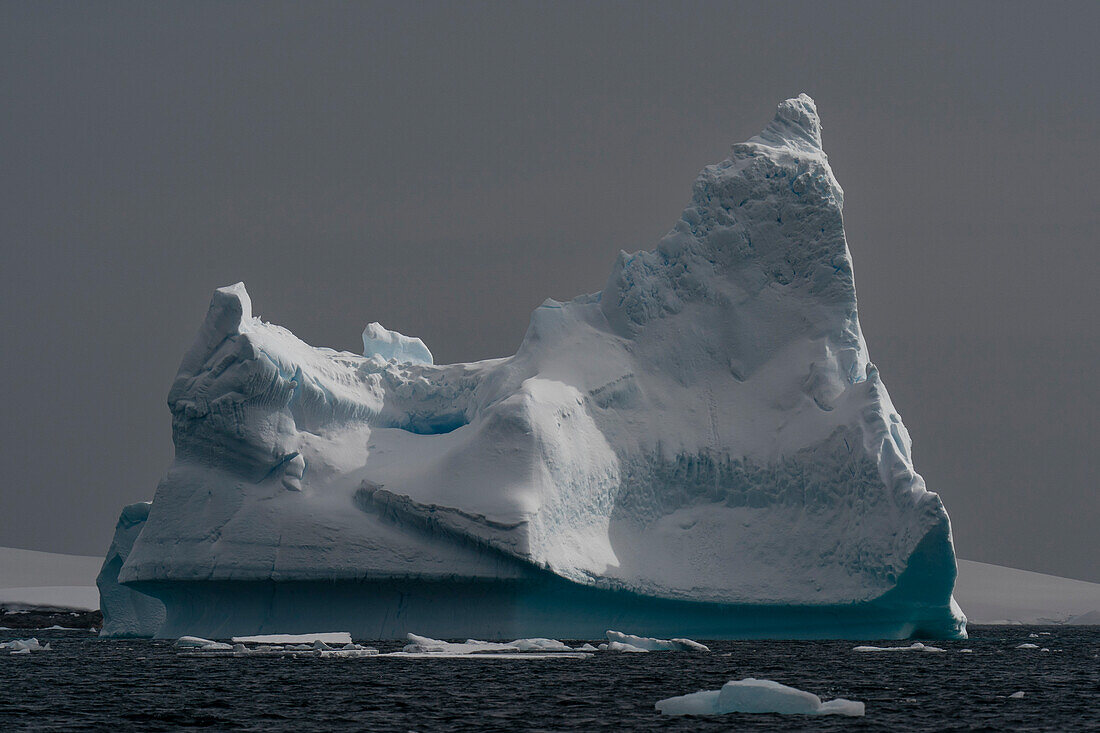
(91, 684)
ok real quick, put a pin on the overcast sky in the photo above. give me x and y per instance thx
(443, 168)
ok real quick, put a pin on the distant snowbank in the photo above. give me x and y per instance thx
(31, 568)
(992, 594)
(33, 580)
(57, 597)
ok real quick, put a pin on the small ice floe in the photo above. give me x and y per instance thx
(757, 696)
(23, 646)
(915, 647)
(426, 645)
(331, 637)
(1017, 695)
(620, 642)
(197, 642)
(1033, 636)
(423, 646)
(195, 646)
(966, 651)
(1027, 646)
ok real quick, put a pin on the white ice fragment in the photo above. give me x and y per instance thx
(656, 645)
(1017, 695)
(704, 702)
(757, 696)
(618, 646)
(541, 645)
(394, 346)
(1028, 646)
(426, 645)
(966, 651)
(24, 646)
(915, 647)
(330, 637)
(193, 641)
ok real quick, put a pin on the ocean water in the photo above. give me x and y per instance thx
(85, 683)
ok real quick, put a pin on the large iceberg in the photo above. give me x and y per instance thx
(703, 448)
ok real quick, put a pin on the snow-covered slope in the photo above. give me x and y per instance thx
(30, 579)
(992, 594)
(31, 568)
(703, 448)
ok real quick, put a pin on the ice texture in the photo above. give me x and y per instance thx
(702, 448)
(757, 696)
(126, 612)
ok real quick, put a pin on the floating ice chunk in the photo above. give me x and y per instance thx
(331, 637)
(541, 645)
(757, 696)
(426, 645)
(193, 641)
(24, 646)
(1033, 636)
(587, 648)
(650, 644)
(1028, 646)
(349, 653)
(704, 702)
(619, 646)
(915, 647)
(394, 346)
(966, 651)
(1017, 695)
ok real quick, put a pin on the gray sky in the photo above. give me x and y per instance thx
(443, 168)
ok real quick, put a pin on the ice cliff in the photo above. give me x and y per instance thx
(702, 448)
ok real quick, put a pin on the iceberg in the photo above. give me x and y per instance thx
(757, 696)
(126, 611)
(702, 448)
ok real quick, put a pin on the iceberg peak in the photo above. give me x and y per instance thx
(796, 125)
